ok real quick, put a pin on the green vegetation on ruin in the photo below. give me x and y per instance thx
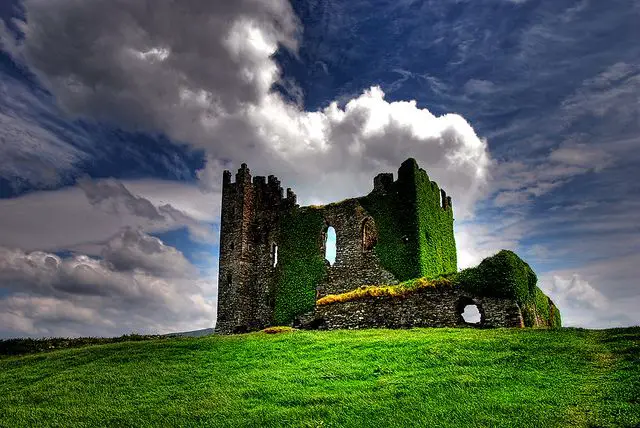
(503, 275)
(367, 378)
(415, 234)
(437, 246)
(507, 275)
(301, 266)
(415, 240)
(398, 290)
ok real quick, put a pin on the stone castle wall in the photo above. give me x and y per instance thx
(401, 230)
(423, 308)
(355, 264)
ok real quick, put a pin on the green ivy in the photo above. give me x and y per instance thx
(396, 248)
(301, 264)
(415, 234)
(415, 239)
(435, 229)
(507, 275)
(556, 319)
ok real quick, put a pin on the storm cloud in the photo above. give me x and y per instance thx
(140, 284)
(203, 73)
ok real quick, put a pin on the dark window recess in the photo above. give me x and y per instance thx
(369, 235)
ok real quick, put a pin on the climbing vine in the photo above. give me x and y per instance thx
(415, 232)
(415, 240)
(435, 229)
(301, 264)
(396, 247)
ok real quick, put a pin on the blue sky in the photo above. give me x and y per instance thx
(116, 124)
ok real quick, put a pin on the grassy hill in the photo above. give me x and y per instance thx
(369, 378)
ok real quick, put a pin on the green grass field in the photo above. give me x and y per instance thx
(369, 378)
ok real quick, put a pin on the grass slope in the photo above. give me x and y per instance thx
(368, 378)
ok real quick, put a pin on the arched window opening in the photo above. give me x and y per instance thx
(471, 314)
(330, 245)
(369, 235)
(274, 254)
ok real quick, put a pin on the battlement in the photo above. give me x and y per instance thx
(262, 188)
(382, 182)
(409, 178)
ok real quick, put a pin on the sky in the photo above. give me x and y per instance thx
(117, 118)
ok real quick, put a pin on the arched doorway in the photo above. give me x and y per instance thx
(470, 312)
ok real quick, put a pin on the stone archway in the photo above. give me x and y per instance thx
(470, 312)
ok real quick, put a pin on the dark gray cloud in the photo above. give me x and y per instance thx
(140, 285)
(112, 196)
(34, 150)
(65, 219)
(145, 63)
(206, 79)
(132, 250)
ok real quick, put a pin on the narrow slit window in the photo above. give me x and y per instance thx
(274, 254)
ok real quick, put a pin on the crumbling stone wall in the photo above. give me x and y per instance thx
(423, 308)
(355, 264)
(409, 228)
(403, 229)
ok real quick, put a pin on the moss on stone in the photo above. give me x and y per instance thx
(300, 266)
(396, 248)
(415, 239)
(437, 246)
(507, 275)
(398, 290)
(415, 234)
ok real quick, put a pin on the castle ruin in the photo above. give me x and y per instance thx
(272, 266)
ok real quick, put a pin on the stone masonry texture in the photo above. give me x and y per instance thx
(403, 229)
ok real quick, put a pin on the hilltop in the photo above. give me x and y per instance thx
(367, 378)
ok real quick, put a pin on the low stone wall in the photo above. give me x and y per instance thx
(422, 308)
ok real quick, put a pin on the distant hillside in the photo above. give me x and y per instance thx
(193, 333)
(367, 378)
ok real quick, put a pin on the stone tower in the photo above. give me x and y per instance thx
(248, 250)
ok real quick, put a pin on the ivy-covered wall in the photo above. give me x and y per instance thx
(415, 227)
(437, 244)
(301, 264)
(414, 239)
(396, 247)
(507, 275)
(410, 222)
(503, 287)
